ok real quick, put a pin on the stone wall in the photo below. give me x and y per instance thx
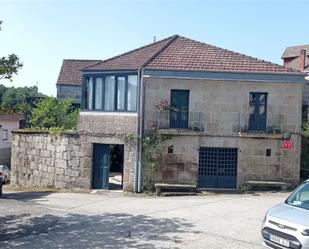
(109, 123)
(181, 166)
(223, 103)
(47, 160)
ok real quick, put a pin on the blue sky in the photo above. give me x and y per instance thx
(44, 32)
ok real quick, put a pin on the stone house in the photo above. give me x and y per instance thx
(69, 81)
(230, 117)
(226, 118)
(296, 57)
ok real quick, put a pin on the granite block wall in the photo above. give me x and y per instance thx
(47, 160)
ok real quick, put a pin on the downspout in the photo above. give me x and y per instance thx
(138, 164)
(140, 118)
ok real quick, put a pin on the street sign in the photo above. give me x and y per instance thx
(287, 145)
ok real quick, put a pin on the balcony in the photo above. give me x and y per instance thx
(221, 124)
(260, 123)
(181, 120)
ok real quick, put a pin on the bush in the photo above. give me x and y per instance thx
(51, 113)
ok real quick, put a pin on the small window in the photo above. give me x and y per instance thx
(268, 152)
(4, 134)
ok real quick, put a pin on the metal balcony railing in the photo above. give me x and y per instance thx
(170, 119)
(239, 122)
(254, 122)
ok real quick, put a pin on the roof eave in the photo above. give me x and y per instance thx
(108, 70)
(231, 72)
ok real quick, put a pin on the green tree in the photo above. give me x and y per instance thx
(14, 99)
(9, 65)
(52, 113)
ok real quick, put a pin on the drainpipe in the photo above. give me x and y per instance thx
(138, 164)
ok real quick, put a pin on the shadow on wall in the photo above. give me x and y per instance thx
(91, 231)
(5, 156)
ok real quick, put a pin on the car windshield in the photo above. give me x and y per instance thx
(300, 197)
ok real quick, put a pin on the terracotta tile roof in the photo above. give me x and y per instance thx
(70, 72)
(180, 53)
(133, 59)
(187, 54)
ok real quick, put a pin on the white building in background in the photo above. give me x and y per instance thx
(8, 122)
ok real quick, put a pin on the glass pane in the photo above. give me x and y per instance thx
(262, 99)
(89, 93)
(262, 109)
(85, 94)
(121, 93)
(98, 93)
(252, 100)
(109, 102)
(132, 92)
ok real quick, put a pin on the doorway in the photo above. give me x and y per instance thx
(217, 168)
(258, 112)
(107, 170)
(179, 114)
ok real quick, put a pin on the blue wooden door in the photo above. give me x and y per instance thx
(258, 112)
(100, 172)
(217, 168)
(179, 109)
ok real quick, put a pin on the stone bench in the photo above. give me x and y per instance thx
(249, 184)
(160, 186)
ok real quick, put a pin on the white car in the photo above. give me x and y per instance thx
(286, 225)
(5, 173)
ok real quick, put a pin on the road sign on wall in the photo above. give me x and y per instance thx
(287, 145)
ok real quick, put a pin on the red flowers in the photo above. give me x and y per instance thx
(162, 105)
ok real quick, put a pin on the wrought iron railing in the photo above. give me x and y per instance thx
(254, 122)
(172, 119)
(238, 122)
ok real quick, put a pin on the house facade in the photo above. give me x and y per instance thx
(230, 118)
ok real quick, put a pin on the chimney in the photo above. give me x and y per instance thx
(302, 59)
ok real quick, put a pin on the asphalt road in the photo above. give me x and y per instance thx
(116, 220)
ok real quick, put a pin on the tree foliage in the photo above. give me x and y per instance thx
(14, 99)
(51, 113)
(9, 65)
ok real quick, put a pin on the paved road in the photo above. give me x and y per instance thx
(116, 220)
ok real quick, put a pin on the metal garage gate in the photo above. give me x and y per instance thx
(217, 167)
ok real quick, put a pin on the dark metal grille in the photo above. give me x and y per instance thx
(217, 167)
